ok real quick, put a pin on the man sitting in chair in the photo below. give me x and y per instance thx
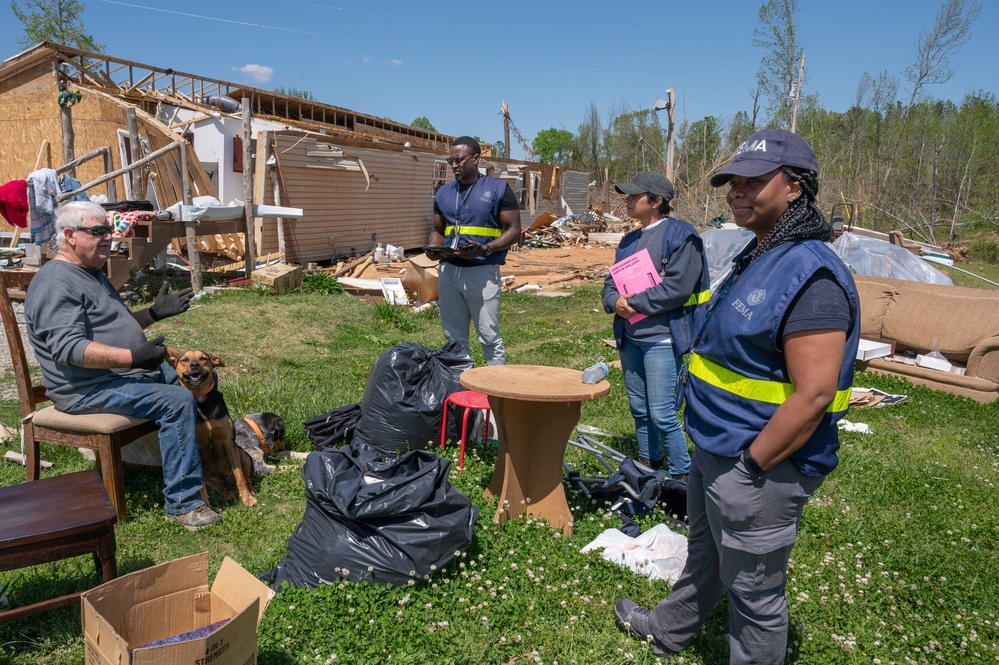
(96, 359)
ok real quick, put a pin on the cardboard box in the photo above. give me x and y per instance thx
(170, 599)
(871, 348)
(280, 278)
(420, 278)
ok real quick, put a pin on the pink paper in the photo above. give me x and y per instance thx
(633, 275)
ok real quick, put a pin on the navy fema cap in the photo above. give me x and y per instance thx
(765, 151)
(648, 181)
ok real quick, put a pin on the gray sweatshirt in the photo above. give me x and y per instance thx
(67, 307)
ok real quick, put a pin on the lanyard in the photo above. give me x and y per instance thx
(459, 203)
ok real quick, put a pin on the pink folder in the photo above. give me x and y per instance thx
(633, 275)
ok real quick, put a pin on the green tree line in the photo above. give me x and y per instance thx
(943, 157)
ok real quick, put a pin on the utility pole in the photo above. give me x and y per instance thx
(668, 106)
(796, 94)
(506, 130)
(671, 92)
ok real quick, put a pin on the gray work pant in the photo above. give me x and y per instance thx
(742, 529)
(472, 295)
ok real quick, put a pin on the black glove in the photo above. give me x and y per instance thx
(170, 304)
(150, 355)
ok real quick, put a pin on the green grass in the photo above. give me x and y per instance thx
(896, 562)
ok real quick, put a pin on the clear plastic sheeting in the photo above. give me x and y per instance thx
(720, 247)
(877, 258)
(864, 256)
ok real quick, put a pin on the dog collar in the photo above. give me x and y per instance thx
(207, 389)
(260, 435)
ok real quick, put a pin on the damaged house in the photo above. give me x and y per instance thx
(357, 179)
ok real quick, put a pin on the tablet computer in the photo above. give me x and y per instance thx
(440, 249)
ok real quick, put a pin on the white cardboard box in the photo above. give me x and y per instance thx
(870, 349)
(933, 363)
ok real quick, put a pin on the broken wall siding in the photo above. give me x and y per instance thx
(342, 214)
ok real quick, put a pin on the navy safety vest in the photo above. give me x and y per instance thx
(479, 218)
(737, 377)
(683, 322)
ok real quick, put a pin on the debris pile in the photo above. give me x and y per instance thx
(592, 226)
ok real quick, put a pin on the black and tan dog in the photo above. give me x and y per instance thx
(223, 463)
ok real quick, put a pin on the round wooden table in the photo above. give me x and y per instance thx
(536, 409)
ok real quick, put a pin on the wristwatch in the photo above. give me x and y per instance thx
(751, 464)
(487, 250)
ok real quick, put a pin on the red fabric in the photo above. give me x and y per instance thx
(14, 202)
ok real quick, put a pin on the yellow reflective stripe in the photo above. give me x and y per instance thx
(770, 392)
(475, 231)
(698, 298)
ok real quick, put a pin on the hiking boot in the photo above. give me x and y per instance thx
(198, 518)
(634, 619)
(654, 464)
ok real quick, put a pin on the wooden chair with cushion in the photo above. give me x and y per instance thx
(103, 433)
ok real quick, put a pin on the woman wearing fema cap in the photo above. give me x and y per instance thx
(769, 376)
(651, 344)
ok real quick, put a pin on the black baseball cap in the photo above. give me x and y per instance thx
(765, 151)
(648, 181)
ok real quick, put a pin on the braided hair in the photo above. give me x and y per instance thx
(801, 221)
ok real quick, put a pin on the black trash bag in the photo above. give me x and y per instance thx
(630, 493)
(128, 206)
(402, 404)
(333, 429)
(404, 527)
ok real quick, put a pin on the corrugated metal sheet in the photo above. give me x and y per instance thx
(576, 190)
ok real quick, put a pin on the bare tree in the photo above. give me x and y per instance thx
(778, 71)
(932, 65)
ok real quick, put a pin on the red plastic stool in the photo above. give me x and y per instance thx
(468, 399)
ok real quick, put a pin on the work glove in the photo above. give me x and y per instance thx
(170, 304)
(150, 355)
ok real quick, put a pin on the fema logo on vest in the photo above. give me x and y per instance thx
(758, 145)
(754, 298)
(487, 196)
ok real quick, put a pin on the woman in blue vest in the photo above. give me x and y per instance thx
(769, 376)
(651, 345)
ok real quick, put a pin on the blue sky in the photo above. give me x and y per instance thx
(457, 62)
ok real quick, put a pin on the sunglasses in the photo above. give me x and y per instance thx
(456, 160)
(97, 231)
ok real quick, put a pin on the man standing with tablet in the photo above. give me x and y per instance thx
(476, 218)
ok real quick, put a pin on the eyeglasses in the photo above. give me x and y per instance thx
(457, 160)
(97, 231)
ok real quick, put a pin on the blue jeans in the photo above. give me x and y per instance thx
(174, 410)
(650, 375)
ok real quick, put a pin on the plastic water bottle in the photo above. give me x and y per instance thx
(595, 373)
(379, 254)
